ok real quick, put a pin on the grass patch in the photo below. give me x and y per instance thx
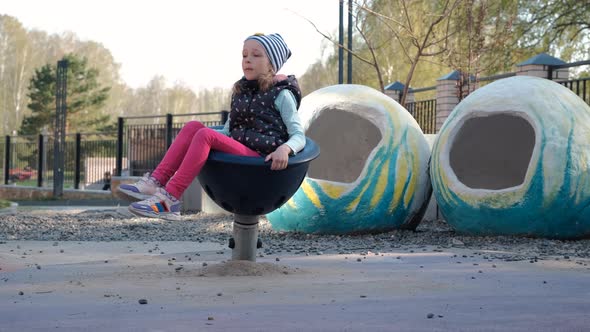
(4, 204)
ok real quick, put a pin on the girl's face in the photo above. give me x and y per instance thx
(254, 60)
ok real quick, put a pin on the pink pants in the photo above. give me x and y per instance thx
(189, 152)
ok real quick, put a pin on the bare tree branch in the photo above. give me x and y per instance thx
(334, 42)
(375, 63)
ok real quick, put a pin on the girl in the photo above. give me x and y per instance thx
(263, 121)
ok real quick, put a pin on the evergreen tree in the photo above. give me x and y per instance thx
(42, 105)
(85, 98)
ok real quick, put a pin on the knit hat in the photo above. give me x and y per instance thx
(275, 48)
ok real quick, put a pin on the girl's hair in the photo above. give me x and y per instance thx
(265, 82)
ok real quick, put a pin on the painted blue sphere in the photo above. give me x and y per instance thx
(391, 185)
(513, 159)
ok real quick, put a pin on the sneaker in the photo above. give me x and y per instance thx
(145, 188)
(160, 205)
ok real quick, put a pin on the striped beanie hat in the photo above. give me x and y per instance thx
(275, 48)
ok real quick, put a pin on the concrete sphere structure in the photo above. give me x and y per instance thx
(513, 159)
(372, 174)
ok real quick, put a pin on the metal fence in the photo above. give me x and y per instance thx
(141, 146)
(579, 86)
(424, 111)
(3, 159)
(28, 160)
(482, 81)
(92, 158)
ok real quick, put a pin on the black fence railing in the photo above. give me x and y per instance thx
(28, 160)
(424, 112)
(579, 86)
(142, 146)
(4, 156)
(482, 81)
(92, 158)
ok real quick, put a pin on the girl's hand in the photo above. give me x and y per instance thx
(280, 158)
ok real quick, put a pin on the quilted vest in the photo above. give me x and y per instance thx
(254, 119)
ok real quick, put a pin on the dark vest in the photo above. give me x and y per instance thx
(254, 119)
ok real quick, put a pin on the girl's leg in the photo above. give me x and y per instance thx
(177, 151)
(205, 140)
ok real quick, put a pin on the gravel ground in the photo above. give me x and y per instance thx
(117, 225)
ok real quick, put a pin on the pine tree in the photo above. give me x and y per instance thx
(42, 105)
(85, 98)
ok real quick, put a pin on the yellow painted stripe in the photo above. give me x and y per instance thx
(332, 189)
(400, 179)
(352, 206)
(381, 184)
(415, 168)
(291, 204)
(311, 194)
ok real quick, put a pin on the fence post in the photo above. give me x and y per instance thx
(540, 66)
(59, 143)
(168, 130)
(7, 159)
(119, 165)
(395, 90)
(224, 117)
(446, 97)
(40, 155)
(77, 163)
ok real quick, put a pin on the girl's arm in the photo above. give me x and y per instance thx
(287, 106)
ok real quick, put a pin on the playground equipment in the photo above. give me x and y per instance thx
(512, 159)
(248, 188)
(372, 175)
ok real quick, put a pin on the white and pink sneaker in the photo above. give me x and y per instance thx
(145, 188)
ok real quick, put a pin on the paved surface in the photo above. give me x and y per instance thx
(96, 286)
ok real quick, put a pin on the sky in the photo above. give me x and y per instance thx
(196, 42)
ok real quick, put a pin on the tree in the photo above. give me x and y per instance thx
(371, 58)
(180, 99)
(422, 29)
(319, 75)
(42, 105)
(560, 27)
(484, 41)
(152, 98)
(23, 51)
(394, 30)
(85, 97)
(15, 66)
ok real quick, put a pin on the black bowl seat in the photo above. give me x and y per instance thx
(247, 185)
